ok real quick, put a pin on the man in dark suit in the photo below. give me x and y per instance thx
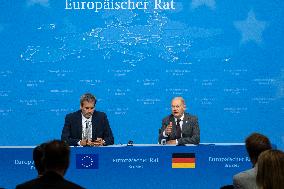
(56, 158)
(179, 128)
(87, 127)
(255, 144)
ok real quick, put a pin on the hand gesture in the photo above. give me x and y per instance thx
(83, 142)
(169, 129)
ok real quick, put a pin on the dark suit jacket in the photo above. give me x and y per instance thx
(190, 130)
(47, 181)
(72, 130)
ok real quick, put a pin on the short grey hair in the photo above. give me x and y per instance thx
(179, 98)
(87, 97)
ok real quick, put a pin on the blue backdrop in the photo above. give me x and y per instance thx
(224, 57)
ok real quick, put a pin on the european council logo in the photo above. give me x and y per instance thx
(87, 161)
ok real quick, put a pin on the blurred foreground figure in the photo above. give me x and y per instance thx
(56, 157)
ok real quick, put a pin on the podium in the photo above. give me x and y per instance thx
(137, 166)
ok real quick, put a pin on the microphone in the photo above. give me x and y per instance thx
(130, 143)
(164, 141)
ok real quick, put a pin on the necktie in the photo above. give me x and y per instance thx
(87, 124)
(178, 135)
(87, 130)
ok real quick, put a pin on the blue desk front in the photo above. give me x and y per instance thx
(141, 166)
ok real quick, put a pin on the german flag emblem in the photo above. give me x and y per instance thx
(183, 160)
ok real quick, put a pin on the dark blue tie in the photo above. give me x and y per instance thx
(178, 135)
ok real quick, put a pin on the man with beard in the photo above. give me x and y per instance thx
(87, 127)
(179, 128)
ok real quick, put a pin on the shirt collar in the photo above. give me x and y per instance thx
(85, 119)
(181, 118)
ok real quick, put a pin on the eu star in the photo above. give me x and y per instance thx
(251, 28)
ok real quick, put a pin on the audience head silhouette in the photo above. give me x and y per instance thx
(56, 156)
(37, 157)
(255, 144)
(52, 161)
(270, 174)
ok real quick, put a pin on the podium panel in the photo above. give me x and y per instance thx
(138, 166)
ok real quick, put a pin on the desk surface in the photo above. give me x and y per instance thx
(138, 166)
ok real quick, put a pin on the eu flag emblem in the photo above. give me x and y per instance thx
(87, 161)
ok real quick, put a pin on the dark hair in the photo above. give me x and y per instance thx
(88, 97)
(255, 144)
(56, 155)
(37, 157)
(270, 171)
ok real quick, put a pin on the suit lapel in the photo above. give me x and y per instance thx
(186, 122)
(94, 119)
(79, 123)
